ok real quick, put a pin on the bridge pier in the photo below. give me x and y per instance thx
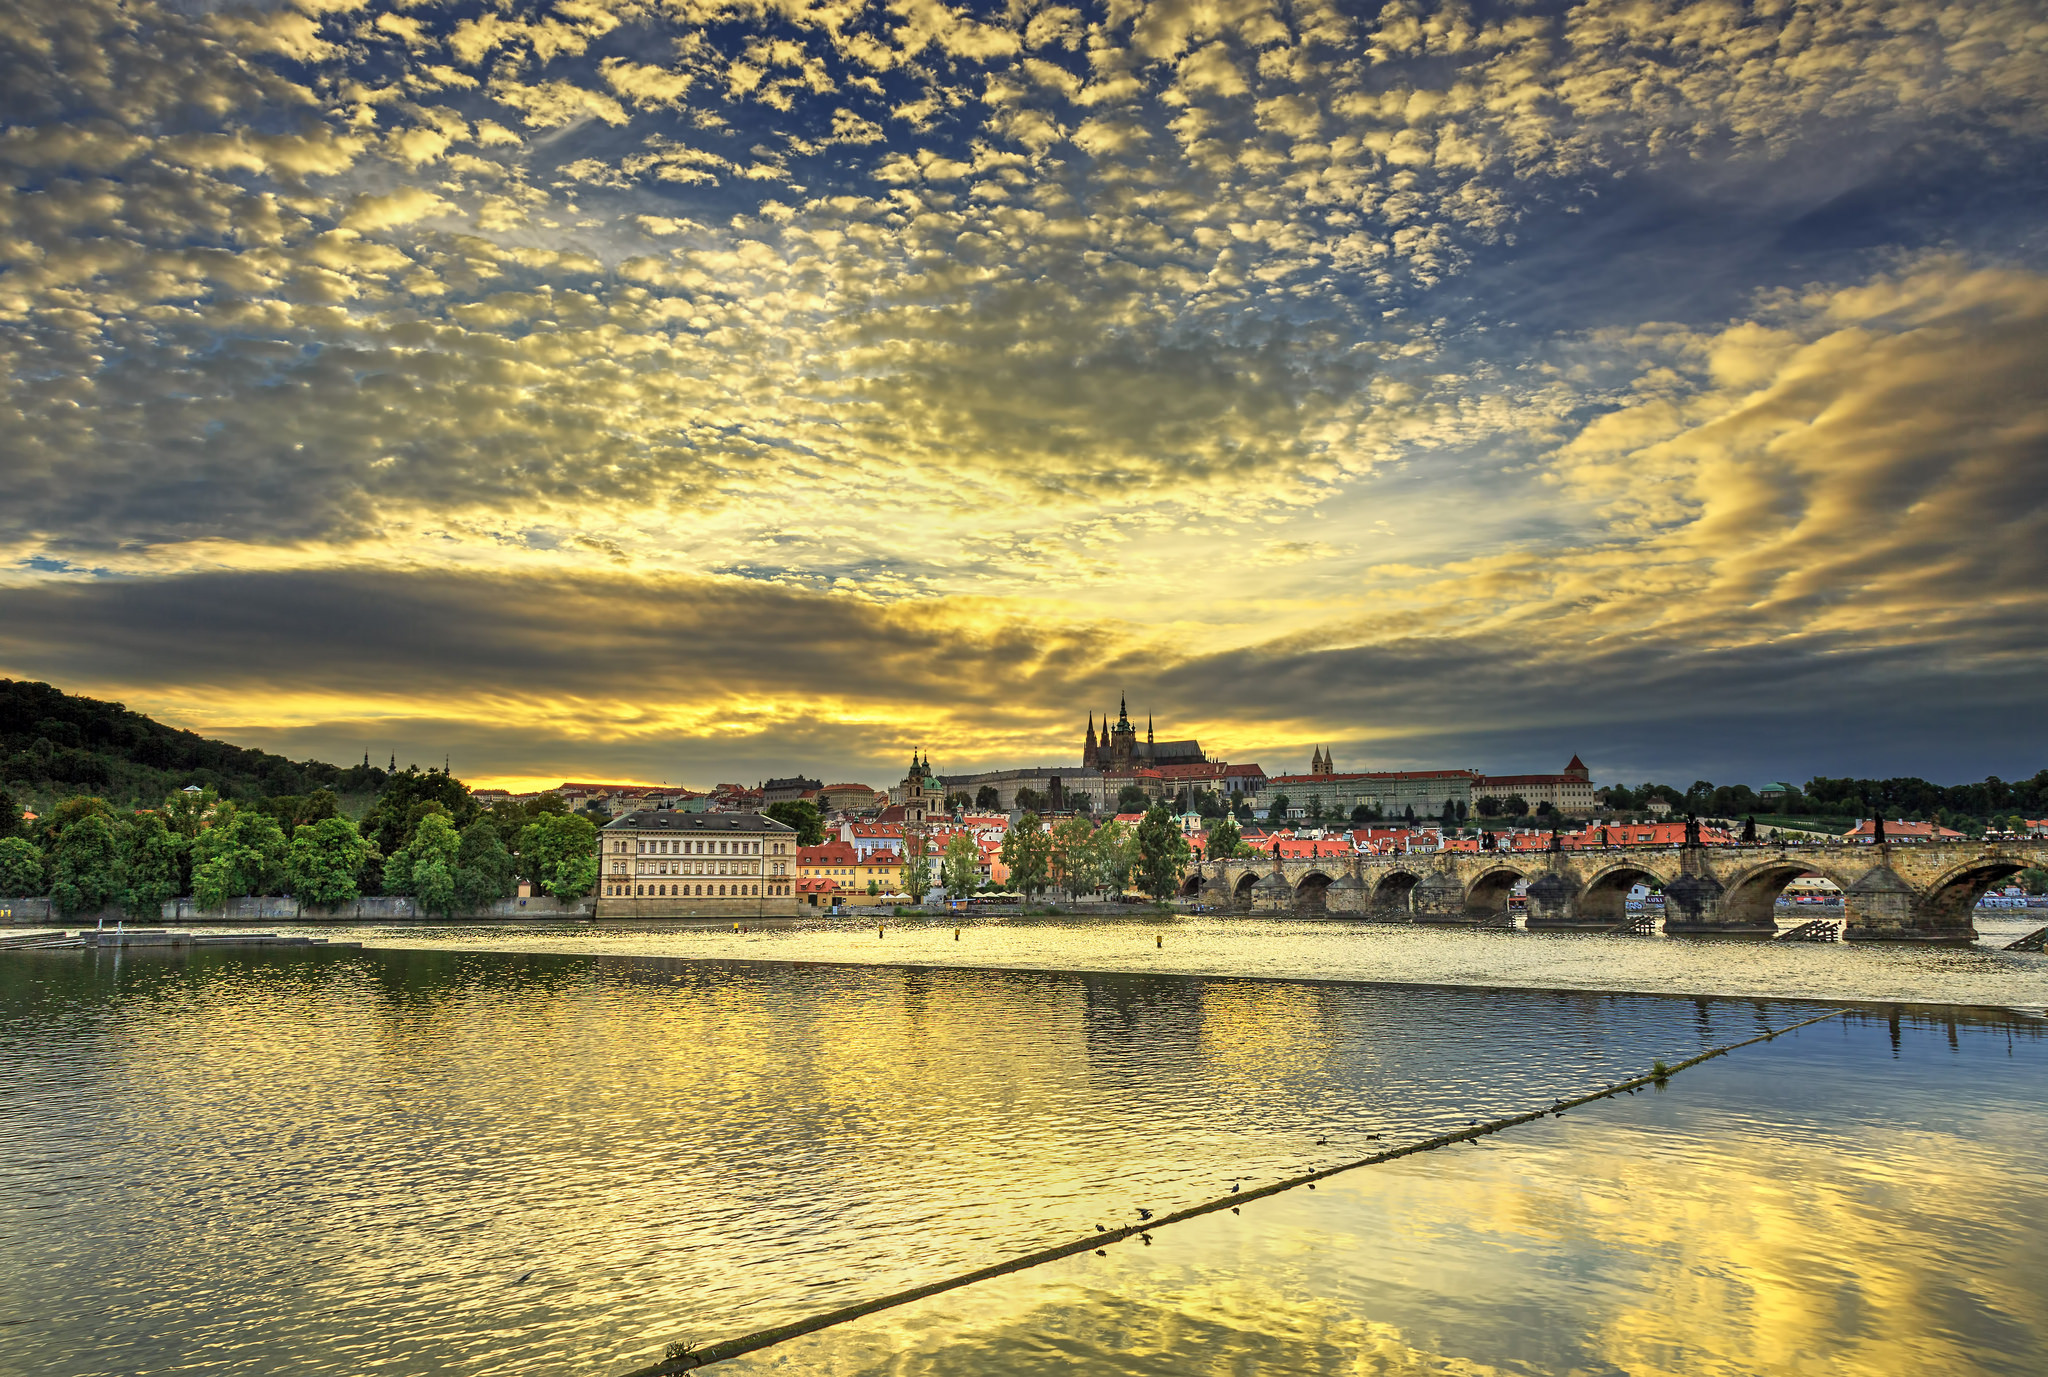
(1882, 906)
(1554, 903)
(1438, 898)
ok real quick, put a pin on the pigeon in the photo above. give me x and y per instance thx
(1144, 1214)
(1100, 1253)
(1100, 1230)
(1233, 1187)
(1233, 1209)
(1147, 1238)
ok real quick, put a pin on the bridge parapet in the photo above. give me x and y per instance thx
(1923, 892)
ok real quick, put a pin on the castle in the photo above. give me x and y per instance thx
(1119, 752)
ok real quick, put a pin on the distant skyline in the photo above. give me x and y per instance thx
(632, 390)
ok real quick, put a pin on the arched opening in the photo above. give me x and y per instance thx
(1391, 894)
(1311, 896)
(1605, 898)
(1486, 898)
(1191, 887)
(1752, 898)
(1953, 899)
(1241, 893)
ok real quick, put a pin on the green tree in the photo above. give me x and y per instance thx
(1225, 841)
(153, 870)
(1116, 855)
(1514, 806)
(1070, 863)
(483, 867)
(1027, 852)
(1029, 799)
(2034, 880)
(1162, 854)
(435, 842)
(1276, 808)
(241, 853)
(803, 815)
(559, 854)
(21, 868)
(986, 799)
(73, 810)
(325, 862)
(1132, 799)
(959, 801)
(917, 870)
(186, 814)
(10, 815)
(85, 866)
(1489, 806)
(960, 865)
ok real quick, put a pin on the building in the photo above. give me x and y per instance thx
(1392, 792)
(853, 873)
(1064, 787)
(1119, 751)
(850, 798)
(786, 790)
(921, 795)
(659, 863)
(1570, 793)
(1865, 832)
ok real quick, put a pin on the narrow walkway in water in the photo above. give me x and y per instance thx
(683, 1358)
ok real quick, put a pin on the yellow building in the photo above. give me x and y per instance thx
(657, 863)
(855, 874)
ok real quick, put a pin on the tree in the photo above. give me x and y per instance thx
(1027, 852)
(434, 846)
(986, 799)
(1240, 808)
(2034, 880)
(1489, 806)
(1408, 815)
(10, 815)
(186, 814)
(1070, 864)
(1116, 855)
(961, 865)
(153, 869)
(21, 868)
(801, 814)
(1276, 808)
(1449, 817)
(85, 866)
(325, 861)
(1162, 854)
(1225, 841)
(959, 801)
(483, 867)
(1749, 830)
(1545, 809)
(1514, 806)
(1030, 800)
(72, 810)
(917, 870)
(1132, 799)
(559, 854)
(242, 853)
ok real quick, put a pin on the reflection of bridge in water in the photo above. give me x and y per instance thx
(1899, 892)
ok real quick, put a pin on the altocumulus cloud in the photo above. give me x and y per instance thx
(868, 374)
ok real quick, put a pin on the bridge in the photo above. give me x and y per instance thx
(1908, 892)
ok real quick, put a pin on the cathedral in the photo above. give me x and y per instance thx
(1118, 751)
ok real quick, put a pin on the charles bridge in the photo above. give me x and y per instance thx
(1914, 892)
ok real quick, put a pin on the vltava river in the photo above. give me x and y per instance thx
(448, 1161)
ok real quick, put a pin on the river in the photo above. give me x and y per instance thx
(560, 1149)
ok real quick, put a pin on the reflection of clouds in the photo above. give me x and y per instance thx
(1023, 304)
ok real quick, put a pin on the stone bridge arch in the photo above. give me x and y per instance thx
(1392, 891)
(1603, 900)
(1241, 887)
(1311, 892)
(1487, 893)
(1751, 897)
(1951, 899)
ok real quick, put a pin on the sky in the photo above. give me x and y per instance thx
(679, 390)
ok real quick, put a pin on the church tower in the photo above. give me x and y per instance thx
(1088, 750)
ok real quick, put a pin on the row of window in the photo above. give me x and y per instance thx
(706, 891)
(662, 846)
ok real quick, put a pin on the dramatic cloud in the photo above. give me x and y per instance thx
(927, 368)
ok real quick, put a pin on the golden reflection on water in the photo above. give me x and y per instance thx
(453, 1162)
(1768, 1213)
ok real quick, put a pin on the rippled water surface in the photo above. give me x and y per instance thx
(1978, 974)
(429, 1161)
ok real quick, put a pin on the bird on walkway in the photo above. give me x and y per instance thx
(1233, 1187)
(1233, 1209)
(1100, 1253)
(1144, 1214)
(1100, 1230)
(1311, 1185)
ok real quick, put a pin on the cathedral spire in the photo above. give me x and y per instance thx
(1123, 711)
(1148, 729)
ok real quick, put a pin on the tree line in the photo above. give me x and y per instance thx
(425, 837)
(1073, 856)
(1965, 807)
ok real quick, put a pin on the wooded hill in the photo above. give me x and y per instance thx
(55, 744)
